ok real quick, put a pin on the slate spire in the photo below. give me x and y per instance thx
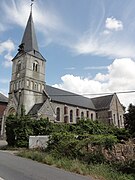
(29, 39)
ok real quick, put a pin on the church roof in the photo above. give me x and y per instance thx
(3, 98)
(66, 97)
(102, 102)
(35, 109)
(29, 38)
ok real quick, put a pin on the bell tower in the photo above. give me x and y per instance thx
(28, 73)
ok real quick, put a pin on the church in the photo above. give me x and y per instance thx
(29, 89)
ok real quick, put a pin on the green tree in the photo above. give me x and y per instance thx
(130, 119)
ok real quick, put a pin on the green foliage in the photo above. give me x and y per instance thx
(106, 141)
(19, 128)
(73, 146)
(64, 144)
(61, 127)
(42, 127)
(130, 119)
(97, 171)
(121, 134)
(10, 125)
(90, 127)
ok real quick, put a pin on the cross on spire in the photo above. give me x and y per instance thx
(29, 40)
(31, 4)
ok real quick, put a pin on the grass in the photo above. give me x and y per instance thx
(98, 171)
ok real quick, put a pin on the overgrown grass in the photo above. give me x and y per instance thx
(6, 147)
(98, 171)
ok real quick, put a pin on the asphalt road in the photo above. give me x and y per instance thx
(16, 168)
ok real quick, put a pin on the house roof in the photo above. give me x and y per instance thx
(102, 102)
(3, 98)
(66, 97)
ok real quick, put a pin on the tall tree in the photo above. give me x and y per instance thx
(130, 119)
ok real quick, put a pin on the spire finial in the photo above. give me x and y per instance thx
(31, 5)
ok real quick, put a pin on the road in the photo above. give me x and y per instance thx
(16, 168)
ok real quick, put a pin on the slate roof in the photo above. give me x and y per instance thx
(102, 102)
(29, 39)
(62, 96)
(35, 109)
(3, 98)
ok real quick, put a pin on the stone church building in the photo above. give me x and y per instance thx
(28, 88)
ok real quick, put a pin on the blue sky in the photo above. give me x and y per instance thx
(89, 44)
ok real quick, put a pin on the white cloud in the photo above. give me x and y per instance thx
(7, 46)
(50, 23)
(101, 77)
(46, 19)
(120, 77)
(70, 68)
(6, 49)
(113, 24)
(104, 46)
(95, 68)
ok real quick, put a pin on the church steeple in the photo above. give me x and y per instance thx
(29, 39)
(28, 72)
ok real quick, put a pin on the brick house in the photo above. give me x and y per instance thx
(3, 105)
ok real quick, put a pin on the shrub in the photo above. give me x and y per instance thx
(10, 134)
(19, 128)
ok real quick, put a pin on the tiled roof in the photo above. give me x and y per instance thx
(3, 98)
(102, 102)
(69, 98)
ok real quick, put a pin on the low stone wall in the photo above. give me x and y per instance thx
(121, 152)
(38, 142)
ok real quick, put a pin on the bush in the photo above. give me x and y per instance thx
(19, 128)
(121, 134)
(63, 144)
(10, 134)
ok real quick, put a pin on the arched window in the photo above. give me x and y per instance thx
(43, 87)
(87, 114)
(71, 115)
(35, 86)
(120, 120)
(11, 87)
(19, 84)
(39, 87)
(65, 110)
(82, 114)
(11, 111)
(114, 120)
(65, 119)
(32, 85)
(16, 85)
(28, 83)
(18, 67)
(35, 66)
(58, 114)
(91, 116)
(77, 112)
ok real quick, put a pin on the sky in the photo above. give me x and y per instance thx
(89, 45)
